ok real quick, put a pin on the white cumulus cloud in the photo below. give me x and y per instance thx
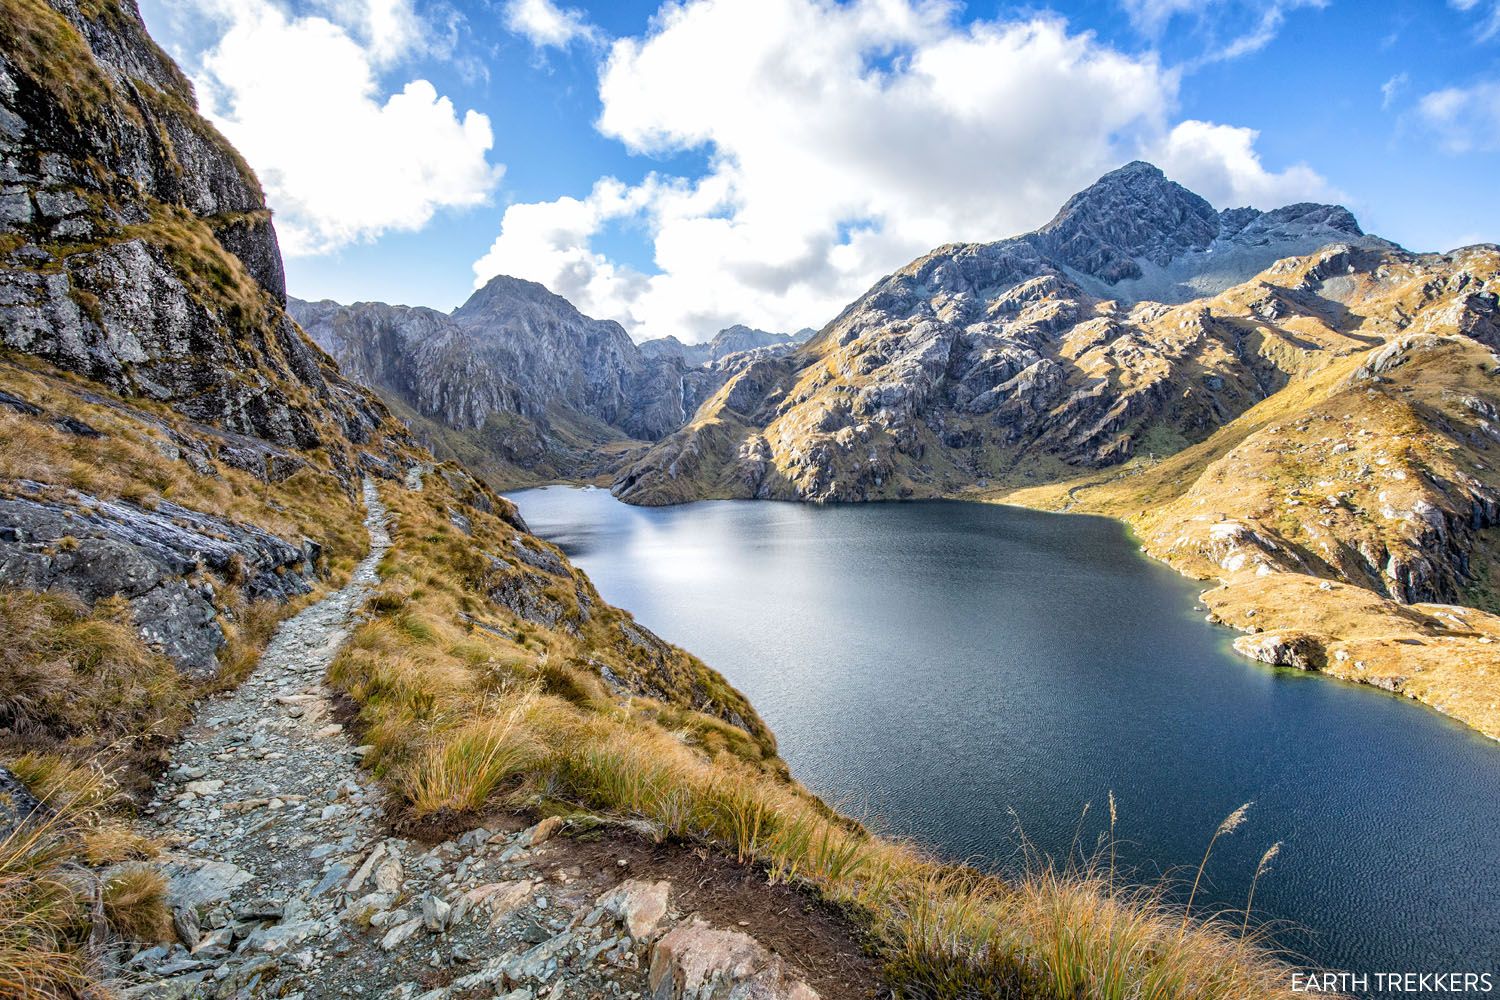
(844, 139)
(342, 160)
(1220, 163)
(545, 24)
(389, 29)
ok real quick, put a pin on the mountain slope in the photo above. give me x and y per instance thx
(516, 382)
(137, 248)
(169, 436)
(730, 340)
(981, 360)
(173, 439)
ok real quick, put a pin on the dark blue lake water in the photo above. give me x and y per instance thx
(948, 669)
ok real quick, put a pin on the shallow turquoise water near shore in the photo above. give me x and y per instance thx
(962, 673)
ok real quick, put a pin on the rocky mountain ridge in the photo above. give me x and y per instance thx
(137, 248)
(137, 256)
(516, 381)
(981, 356)
(1318, 425)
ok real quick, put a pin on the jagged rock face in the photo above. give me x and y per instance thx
(135, 245)
(418, 354)
(1135, 235)
(1131, 213)
(1018, 360)
(136, 251)
(154, 558)
(566, 358)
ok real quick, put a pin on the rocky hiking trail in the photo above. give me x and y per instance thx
(285, 879)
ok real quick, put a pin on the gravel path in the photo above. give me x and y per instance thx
(285, 882)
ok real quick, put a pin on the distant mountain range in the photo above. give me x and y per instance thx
(1274, 399)
(517, 383)
(730, 340)
(522, 386)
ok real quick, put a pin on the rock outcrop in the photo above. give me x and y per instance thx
(137, 253)
(136, 249)
(163, 561)
(735, 339)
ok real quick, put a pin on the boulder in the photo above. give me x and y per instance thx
(1283, 649)
(696, 961)
(639, 905)
(196, 883)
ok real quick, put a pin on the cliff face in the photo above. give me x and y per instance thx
(135, 245)
(174, 446)
(136, 253)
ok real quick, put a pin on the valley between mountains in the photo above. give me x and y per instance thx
(293, 703)
(1278, 402)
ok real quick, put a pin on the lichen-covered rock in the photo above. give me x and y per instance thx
(1283, 649)
(696, 961)
(157, 559)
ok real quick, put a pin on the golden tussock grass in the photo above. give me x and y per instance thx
(53, 917)
(81, 678)
(134, 899)
(130, 461)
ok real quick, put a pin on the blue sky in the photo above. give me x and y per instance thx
(681, 167)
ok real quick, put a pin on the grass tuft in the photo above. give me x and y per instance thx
(135, 904)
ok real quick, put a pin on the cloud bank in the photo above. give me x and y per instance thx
(342, 160)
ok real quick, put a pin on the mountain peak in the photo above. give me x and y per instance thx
(1130, 213)
(504, 287)
(1135, 223)
(1136, 168)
